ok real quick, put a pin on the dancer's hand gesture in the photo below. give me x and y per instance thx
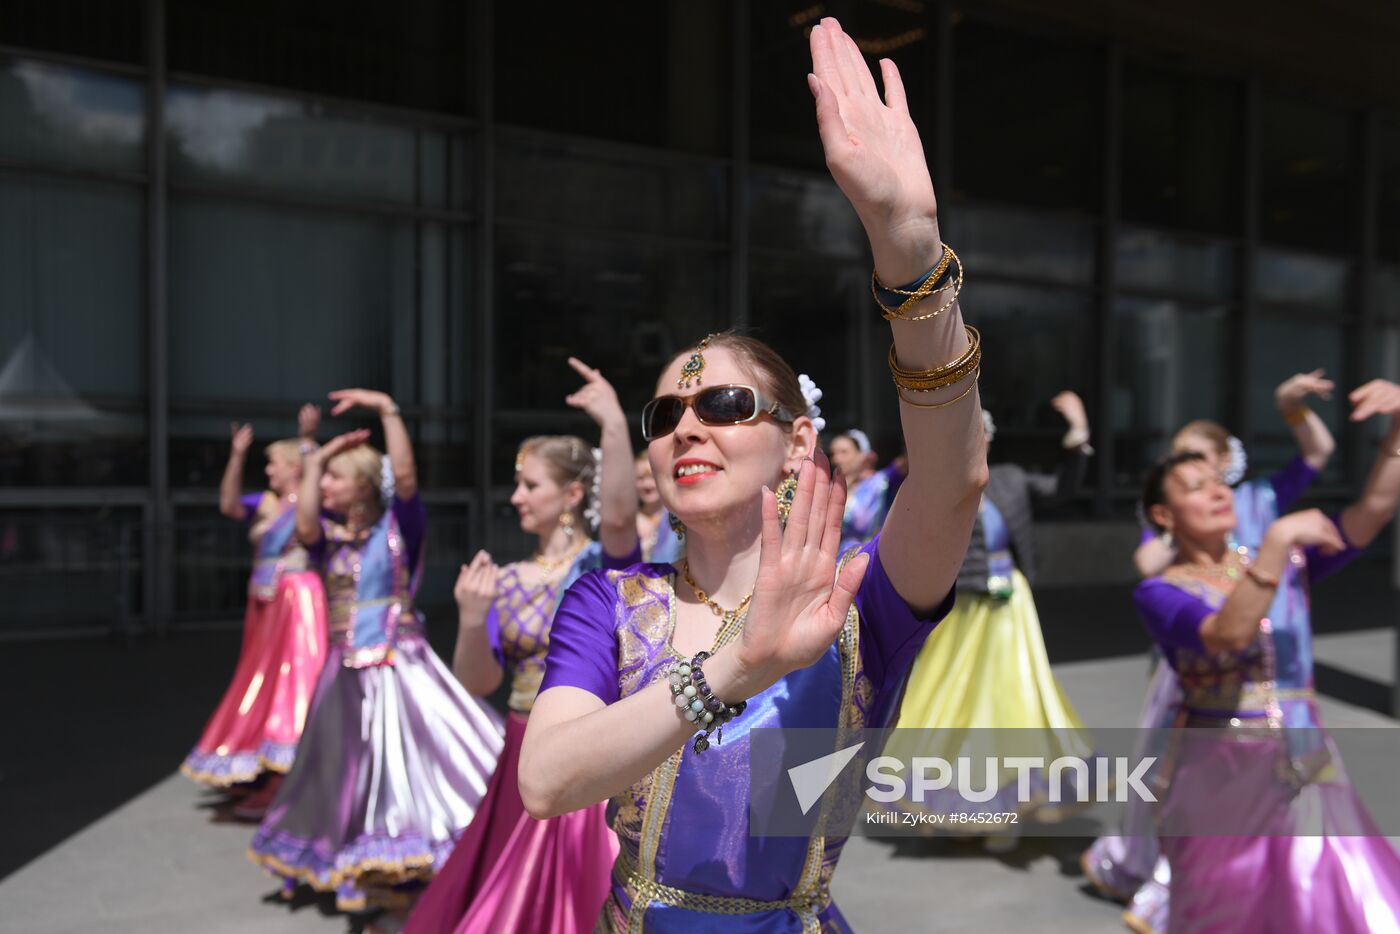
(341, 443)
(241, 438)
(308, 420)
(475, 589)
(1291, 392)
(378, 402)
(1310, 527)
(596, 396)
(874, 153)
(799, 601)
(1378, 397)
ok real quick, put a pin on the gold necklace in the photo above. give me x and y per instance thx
(1229, 569)
(549, 567)
(730, 620)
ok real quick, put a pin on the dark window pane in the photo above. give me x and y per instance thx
(65, 570)
(1308, 175)
(1170, 369)
(782, 118)
(1316, 284)
(271, 307)
(72, 333)
(1158, 262)
(560, 181)
(801, 211)
(110, 29)
(649, 73)
(1389, 185)
(54, 115)
(415, 53)
(622, 307)
(1021, 243)
(805, 308)
(1182, 147)
(1041, 341)
(1388, 292)
(287, 144)
(1026, 117)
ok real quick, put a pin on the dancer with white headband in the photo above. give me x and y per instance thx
(869, 492)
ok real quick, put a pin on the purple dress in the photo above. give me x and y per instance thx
(688, 863)
(396, 755)
(1128, 865)
(1305, 854)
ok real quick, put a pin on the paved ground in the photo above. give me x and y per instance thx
(164, 861)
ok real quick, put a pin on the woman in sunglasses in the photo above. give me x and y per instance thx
(508, 871)
(658, 673)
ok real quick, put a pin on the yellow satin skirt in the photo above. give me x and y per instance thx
(982, 686)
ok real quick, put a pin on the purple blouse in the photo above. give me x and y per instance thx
(583, 639)
(1174, 617)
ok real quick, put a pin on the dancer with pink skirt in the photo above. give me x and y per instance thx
(253, 733)
(509, 871)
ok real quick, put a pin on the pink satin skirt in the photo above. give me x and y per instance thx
(510, 872)
(257, 725)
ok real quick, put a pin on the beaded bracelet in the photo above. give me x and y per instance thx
(699, 704)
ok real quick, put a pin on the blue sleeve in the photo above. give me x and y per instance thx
(251, 502)
(1321, 565)
(1292, 482)
(632, 557)
(891, 632)
(493, 634)
(1172, 616)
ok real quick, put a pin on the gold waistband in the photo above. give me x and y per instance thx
(807, 905)
(1254, 699)
(342, 615)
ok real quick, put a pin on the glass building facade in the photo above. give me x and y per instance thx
(216, 211)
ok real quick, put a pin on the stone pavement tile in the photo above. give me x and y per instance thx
(1367, 652)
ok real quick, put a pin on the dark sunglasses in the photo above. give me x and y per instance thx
(732, 404)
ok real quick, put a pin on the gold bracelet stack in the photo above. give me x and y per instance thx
(969, 364)
(1296, 415)
(925, 290)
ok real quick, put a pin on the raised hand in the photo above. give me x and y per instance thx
(1309, 527)
(1291, 392)
(874, 153)
(346, 399)
(475, 590)
(596, 396)
(799, 601)
(241, 438)
(308, 420)
(1378, 397)
(342, 443)
(1071, 408)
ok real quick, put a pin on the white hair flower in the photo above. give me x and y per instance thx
(988, 426)
(860, 439)
(386, 479)
(813, 395)
(1237, 464)
(593, 514)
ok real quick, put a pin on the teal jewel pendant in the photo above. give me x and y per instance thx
(691, 370)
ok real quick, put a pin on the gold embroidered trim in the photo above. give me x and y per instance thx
(807, 905)
(224, 781)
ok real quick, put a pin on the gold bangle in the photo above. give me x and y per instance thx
(1296, 415)
(943, 405)
(938, 377)
(922, 292)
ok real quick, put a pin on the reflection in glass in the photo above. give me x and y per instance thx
(72, 333)
(1317, 283)
(288, 144)
(1388, 291)
(797, 210)
(271, 307)
(73, 117)
(1023, 243)
(1157, 261)
(107, 29)
(1042, 342)
(553, 180)
(1388, 188)
(1181, 150)
(621, 307)
(1171, 361)
(1308, 172)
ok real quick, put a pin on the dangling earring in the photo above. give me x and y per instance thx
(1168, 540)
(786, 493)
(677, 526)
(567, 521)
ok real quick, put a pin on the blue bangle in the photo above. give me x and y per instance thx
(894, 302)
